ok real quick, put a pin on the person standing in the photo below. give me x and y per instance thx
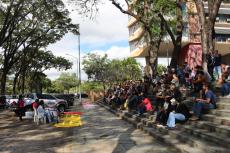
(21, 106)
(217, 65)
(211, 62)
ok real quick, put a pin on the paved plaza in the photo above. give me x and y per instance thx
(102, 132)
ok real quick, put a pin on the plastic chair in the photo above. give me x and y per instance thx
(35, 115)
(40, 116)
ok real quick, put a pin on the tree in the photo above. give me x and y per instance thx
(68, 81)
(207, 22)
(96, 67)
(101, 69)
(24, 27)
(156, 16)
(36, 82)
(122, 70)
(161, 68)
(33, 66)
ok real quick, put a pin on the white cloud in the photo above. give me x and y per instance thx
(115, 52)
(109, 25)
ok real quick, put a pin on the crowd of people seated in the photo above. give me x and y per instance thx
(167, 94)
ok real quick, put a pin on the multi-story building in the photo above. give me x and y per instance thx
(191, 41)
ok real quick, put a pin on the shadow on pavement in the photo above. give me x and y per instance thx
(26, 137)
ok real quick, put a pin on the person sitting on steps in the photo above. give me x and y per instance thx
(180, 113)
(208, 101)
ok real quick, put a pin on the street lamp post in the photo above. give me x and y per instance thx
(79, 62)
(76, 68)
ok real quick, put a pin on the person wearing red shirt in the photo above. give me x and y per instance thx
(21, 105)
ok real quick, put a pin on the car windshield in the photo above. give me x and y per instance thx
(29, 96)
(45, 96)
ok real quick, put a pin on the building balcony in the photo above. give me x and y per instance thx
(222, 30)
(131, 22)
(225, 5)
(137, 34)
(222, 24)
(221, 10)
(140, 51)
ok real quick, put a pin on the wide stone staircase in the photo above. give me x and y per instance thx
(210, 135)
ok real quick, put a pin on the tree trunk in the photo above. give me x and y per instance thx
(179, 32)
(153, 57)
(15, 83)
(3, 83)
(211, 35)
(23, 82)
(207, 26)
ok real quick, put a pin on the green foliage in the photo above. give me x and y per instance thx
(100, 68)
(67, 81)
(44, 60)
(96, 66)
(56, 87)
(161, 69)
(26, 27)
(91, 86)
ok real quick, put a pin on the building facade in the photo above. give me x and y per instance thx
(191, 40)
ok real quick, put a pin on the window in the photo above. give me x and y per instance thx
(46, 96)
(30, 96)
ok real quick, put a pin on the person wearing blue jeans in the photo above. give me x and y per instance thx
(181, 113)
(173, 116)
(208, 102)
(217, 65)
(225, 89)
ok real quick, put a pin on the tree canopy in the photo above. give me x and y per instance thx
(101, 69)
(28, 27)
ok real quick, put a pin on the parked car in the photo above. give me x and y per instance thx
(68, 97)
(83, 95)
(12, 101)
(48, 99)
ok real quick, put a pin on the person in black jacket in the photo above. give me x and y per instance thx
(180, 112)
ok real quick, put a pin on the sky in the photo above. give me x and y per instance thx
(106, 34)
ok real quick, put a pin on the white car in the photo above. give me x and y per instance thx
(49, 100)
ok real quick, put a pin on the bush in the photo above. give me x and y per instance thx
(91, 86)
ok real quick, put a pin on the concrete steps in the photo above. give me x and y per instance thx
(206, 135)
(220, 113)
(217, 119)
(223, 105)
(211, 135)
(179, 139)
(221, 130)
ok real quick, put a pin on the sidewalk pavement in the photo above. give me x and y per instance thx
(102, 132)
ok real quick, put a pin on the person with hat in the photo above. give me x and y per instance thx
(180, 113)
